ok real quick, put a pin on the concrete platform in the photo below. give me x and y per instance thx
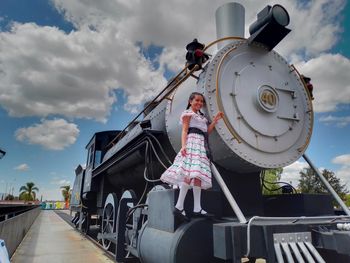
(51, 239)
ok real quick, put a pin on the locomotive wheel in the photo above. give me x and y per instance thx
(109, 219)
(129, 194)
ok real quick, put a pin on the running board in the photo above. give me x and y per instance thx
(295, 247)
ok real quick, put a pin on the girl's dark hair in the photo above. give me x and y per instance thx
(192, 96)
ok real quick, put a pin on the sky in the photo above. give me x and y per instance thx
(69, 69)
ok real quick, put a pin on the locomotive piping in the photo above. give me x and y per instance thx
(160, 146)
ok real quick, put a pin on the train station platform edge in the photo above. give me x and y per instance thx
(51, 239)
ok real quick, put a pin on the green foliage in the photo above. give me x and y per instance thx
(347, 200)
(310, 183)
(269, 178)
(28, 192)
(9, 197)
(66, 192)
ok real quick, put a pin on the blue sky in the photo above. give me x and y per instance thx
(70, 69)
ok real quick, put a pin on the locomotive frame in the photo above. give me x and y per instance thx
(120, 185)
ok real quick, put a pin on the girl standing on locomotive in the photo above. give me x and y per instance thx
(191, 166)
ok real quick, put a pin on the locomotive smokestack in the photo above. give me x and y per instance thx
(229, 21)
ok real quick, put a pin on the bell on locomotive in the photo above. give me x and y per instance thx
(267, 123)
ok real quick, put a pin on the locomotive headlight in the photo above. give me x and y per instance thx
(270, 27)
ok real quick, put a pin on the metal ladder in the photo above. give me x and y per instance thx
(295, 247)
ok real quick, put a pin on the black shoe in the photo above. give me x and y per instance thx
(202, 213)
(179, 215)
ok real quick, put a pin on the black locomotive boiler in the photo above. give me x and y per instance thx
(268, 121)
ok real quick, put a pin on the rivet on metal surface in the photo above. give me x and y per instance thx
(270, 67)
(236, 73)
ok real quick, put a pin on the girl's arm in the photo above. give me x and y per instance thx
(217, 117)
(185, 125)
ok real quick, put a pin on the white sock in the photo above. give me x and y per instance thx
(181, 199)
(197, 199)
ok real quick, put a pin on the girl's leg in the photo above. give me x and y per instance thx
(183, 191)
(197, 196)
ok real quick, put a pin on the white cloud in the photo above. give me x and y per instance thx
(344, 171)
(46, 71)
(54, 134)
(175, 23)
(51, 194)
(22, 167)
(315, 25)
(342, 160)
(339, 121)
(331, 80)
(291, 173)
(60, 182)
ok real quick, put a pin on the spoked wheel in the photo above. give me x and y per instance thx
(130, 194)
(109, 219)
(125, 234)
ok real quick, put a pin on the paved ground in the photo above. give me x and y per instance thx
(50, 239)
(53, 239)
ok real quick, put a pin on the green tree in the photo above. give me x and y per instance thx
(269, 178)
(28, 192)
(310, 183)
(9, 197)
(347, 200)
(66, 192)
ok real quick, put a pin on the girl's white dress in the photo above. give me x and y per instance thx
(196, 163)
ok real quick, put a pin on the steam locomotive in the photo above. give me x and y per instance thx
(268, 121)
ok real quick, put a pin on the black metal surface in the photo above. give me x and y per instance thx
(270, 27)
(298, 205)
(269, 35)
(333, 240)
(246, 190)
(230, 239)
(190, 243)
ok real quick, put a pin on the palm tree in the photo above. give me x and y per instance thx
(27, 192)
(66, 193)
